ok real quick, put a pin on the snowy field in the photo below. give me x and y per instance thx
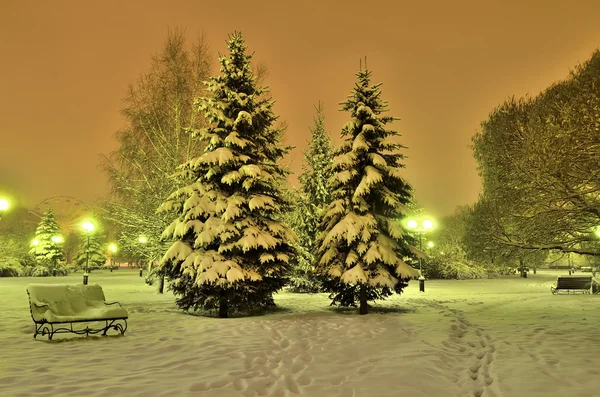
(504, 337)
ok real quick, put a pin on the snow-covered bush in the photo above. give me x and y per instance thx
(10, 267)
(45, 268)
(446, 267)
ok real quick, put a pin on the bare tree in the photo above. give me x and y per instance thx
(159, 113)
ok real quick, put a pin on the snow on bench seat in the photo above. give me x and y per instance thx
(71, 303)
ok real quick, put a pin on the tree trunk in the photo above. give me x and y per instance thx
(223, 307)
(363, 299)
(161, 286)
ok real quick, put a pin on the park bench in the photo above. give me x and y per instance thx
(572, 283)
(56, 304)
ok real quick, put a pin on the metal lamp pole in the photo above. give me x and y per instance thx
(420, 229)
(88, 226)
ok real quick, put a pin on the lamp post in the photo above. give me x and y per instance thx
(3, 206)
(89, 227)
(143, 240)
(420, 228)
(113, 250)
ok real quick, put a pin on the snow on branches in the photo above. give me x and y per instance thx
(362, 241)
(228, 245)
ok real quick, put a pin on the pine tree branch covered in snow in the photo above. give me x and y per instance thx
(362, 247)
(309, 203)
(229, 251)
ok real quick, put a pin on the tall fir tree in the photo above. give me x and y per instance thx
(229, 249)
(97, 251)
(46, 248)
(316, 168)
(363, 246)
(310, 203)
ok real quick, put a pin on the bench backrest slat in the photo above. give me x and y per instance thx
(574, 282)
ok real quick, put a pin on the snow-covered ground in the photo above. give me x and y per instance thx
(503, 337)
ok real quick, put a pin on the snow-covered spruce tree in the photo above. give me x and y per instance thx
(97, 252)
(310, 203)
(44, 249)
(362, 247)
(229, 249)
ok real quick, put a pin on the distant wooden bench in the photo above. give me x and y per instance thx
(52, 304)
(572, 283)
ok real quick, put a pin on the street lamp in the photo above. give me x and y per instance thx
(113, 250)
(3, 206)
(420, 227)
(430, 244)
(88, 227)
(143, 240)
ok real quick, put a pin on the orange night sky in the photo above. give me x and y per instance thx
(65, 66)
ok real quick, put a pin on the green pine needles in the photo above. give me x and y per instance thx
(362, 248)
(309, 204)
(229, 250)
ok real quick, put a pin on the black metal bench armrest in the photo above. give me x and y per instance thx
(40, 304)
(112, 303)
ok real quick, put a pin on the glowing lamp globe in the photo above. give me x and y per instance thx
(430, 244)
(112, 248)
(57, 239)
(3, 205)
(88, 226)
(412, 224)
(35, 242)
(427, 224)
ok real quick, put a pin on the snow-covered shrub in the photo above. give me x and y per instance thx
(453, 268)
(10, 267)
(59, 270)
(40, 271)
(27, 260)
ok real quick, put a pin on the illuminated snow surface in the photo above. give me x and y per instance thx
(501, 337)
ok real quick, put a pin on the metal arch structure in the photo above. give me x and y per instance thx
(68, 211)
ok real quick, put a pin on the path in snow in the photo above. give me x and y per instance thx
(482, 338)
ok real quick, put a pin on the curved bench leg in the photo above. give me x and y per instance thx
(116, 326)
